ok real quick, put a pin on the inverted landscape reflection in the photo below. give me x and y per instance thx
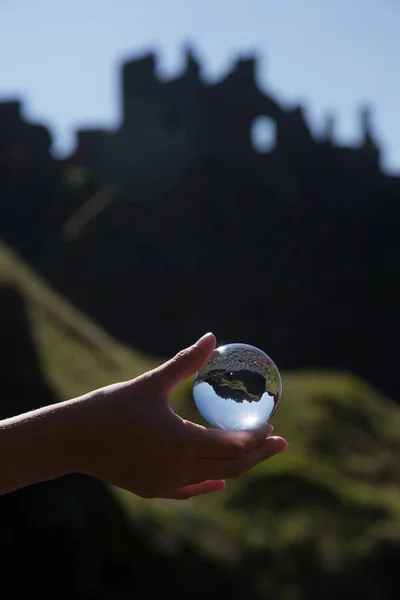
(227, 413)
(238, 387)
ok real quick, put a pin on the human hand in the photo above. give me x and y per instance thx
(129, 436)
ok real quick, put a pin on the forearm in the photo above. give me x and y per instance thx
(38, 446)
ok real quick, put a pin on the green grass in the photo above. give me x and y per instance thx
(77, 354)
(337, 483)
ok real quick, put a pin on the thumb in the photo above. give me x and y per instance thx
(182, 365)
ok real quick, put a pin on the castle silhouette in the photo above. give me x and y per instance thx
(174, 223)
(168, 125)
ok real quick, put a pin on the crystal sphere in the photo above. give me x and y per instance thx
(239, 387)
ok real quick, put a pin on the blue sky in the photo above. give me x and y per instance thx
(329, 55)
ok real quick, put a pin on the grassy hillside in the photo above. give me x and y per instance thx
(329, 501)
(76, 354)
(337, 484)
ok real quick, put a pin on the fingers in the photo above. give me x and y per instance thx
(214, 443)
(205, 487)
(185, 363)
(230, 468)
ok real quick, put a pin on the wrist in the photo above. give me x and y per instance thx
(39, 446)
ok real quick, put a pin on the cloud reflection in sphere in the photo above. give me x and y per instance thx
(239, 387)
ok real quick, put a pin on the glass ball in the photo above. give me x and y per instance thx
(239, 387)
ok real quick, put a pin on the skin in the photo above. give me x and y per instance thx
(127, 435)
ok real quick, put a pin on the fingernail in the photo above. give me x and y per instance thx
(269, 429)
(203, 337)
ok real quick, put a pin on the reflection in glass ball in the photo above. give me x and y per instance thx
(239, 387)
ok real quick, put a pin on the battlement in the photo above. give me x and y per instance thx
(10, 110)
